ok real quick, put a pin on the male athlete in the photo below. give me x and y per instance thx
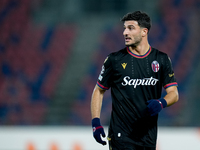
(136, 75)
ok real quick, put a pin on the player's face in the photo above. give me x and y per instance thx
(132, 33)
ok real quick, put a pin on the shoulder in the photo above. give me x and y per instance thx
(154, 50)
(163, 56)
(112, 58)
(119, 53)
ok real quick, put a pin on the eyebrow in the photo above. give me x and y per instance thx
(129, 26)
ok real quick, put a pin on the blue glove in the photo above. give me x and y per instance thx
(156, 105)
(98, 131)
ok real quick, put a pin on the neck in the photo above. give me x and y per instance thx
(140, 49)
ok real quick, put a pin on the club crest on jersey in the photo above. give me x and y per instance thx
(155, 66)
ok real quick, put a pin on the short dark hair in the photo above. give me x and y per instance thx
(142, 18)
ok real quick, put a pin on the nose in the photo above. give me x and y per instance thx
(125, 32)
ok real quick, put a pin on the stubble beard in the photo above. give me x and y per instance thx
(138, 40)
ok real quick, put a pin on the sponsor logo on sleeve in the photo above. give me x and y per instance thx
(171, 75)
(106, 59)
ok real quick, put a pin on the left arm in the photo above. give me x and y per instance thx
(172, 95)
(156, 105)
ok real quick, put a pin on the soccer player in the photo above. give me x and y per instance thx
(136, 75)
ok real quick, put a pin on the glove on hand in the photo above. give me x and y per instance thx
(98, 131)
(156, 105)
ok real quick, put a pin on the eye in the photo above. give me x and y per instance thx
(131, 27)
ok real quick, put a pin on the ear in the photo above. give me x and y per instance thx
(144, 32)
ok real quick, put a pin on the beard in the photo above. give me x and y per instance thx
(137, 40)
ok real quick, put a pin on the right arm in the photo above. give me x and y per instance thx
(96, 101)
(97, 98)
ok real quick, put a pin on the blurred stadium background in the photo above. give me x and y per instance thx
(51, 53)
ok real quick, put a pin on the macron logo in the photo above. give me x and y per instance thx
(135, 82)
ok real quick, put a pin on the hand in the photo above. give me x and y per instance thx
(98, 131)
(156, 105)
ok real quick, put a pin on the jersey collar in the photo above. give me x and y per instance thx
(139, 56)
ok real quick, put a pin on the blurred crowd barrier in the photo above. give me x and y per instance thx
(80, 138)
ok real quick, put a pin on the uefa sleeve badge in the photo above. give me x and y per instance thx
(102, 71)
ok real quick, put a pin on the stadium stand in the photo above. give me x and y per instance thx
(32, 60)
